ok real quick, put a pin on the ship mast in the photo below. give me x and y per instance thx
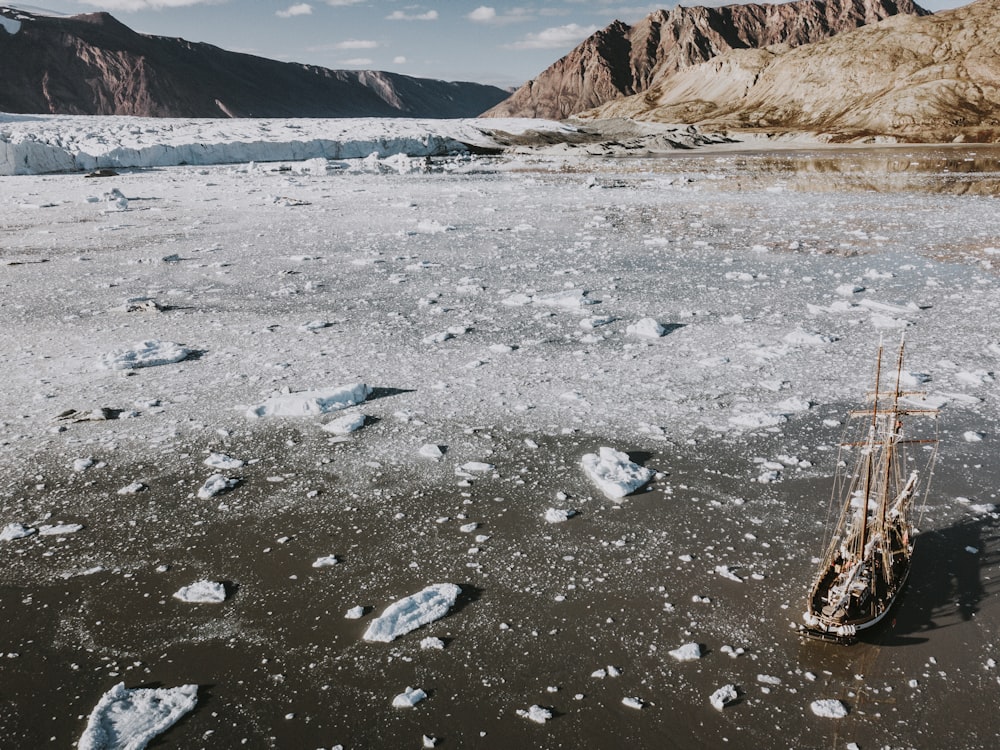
(868, 459)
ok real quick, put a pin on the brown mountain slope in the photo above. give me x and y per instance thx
(93, 64)
(935, 78)
(622, 60)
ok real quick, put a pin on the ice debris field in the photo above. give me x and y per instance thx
(369, 446)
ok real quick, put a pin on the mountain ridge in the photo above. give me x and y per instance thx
(622, 60)
(932, 79)
(94, 64)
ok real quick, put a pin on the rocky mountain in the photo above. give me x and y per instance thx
(934, 79)
(622, 60)
(93, 64)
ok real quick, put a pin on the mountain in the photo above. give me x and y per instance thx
(622, 60)
(934, 78)
(93, 64)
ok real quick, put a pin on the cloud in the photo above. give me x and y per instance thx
(399, 60)
(402, 15)
(356, 44)
(343, 3)
(358, 62)
(301, 9)
(134, 5)
(556, 37)
(488, 15)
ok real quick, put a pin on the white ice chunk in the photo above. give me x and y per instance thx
(430, 643)
(474, 467)
(412, 612)
(556, 515)
(311, 403)
(569, 298)
(725, 572)
(345, 425)
(325, 562)
(355, 613)
(614, 474)
(202, 592)
(430, 450)
(723, 697)
(127, 719)
(59, 529)
(648, 328)
(971, 436)
(223, 462)
(808, 338)
(630, 702)
(145, 354)
(14, 531)
(829, 708)
(215, 485)
(687, 652)
(132, 489)
(536, 714)
(408, 698)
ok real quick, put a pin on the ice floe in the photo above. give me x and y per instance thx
(687, 652)
(216, 485)
(535, 713)
(345, 425)
(202, 592)
(829, 708)
(15, 530)
(648, 328)
(723, 697)
(409, 698)
(311, 403)
(149, 353)
(412, 612)
(614, 473)
(128, 719)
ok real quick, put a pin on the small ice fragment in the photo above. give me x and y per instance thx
(972, 436)
(215, 485)
(202, 592)
(325, 562)
(57, 529)
(723, 697)
(725, 572)
(632, 702)
(614, 473)
(536, 714)
(82, 464)
(829, 708)
(432, 643)
(408, 698)
(766, 679)
(355, 613)
(149, 353)
(127, 719)
(429, 742)
(311, 403)
(648, 328)
(430, 450)
(345, 425)
(132, 489)
(223, 462)
(555, 515)
(14, 531)
(474, 467)
(412, 612)
(687, 652)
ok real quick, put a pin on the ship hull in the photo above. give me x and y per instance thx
(847, 631)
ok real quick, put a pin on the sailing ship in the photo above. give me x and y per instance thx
(868, 558)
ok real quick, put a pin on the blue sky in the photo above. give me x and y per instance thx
(501, 43)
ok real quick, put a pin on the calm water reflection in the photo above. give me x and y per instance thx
(957, 170)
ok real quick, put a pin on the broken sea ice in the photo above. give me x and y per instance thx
(614, 473)
(412, 612)
(127, 719)
(311, 403)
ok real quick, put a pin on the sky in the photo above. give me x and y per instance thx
(500, 43)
